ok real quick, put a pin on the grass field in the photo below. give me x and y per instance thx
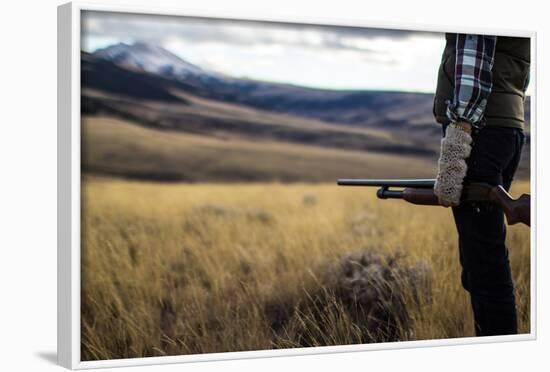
(195, 268)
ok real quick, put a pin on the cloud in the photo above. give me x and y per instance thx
(158, 29)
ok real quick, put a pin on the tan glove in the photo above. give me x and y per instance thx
(455, 149)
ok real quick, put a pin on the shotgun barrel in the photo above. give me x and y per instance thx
(417, 183)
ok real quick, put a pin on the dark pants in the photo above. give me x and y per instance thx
(481, 227)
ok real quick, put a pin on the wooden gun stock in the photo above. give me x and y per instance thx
(516, 210)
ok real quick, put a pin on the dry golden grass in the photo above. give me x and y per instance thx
(178, 268)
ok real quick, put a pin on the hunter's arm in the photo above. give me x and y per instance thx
(473, 81)
(472, 86)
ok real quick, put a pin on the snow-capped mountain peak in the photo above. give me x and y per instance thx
(153, 59)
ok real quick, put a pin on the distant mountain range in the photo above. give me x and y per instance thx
(125, 80)
(371, 108)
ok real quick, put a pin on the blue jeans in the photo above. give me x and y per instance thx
(481, 227)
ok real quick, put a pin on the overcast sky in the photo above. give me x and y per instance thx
(315, 56)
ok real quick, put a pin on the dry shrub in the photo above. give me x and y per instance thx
(368, 297)
(247, 214)
(309, 200)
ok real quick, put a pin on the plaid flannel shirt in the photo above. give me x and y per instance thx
(475, 56)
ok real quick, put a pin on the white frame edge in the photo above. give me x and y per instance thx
(68, 201)
(534, 187)
(65, 247)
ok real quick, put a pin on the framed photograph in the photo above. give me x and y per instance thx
(240, 186)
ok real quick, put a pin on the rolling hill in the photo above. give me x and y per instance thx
(114, 147)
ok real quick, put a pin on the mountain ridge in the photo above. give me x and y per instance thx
(356, 107)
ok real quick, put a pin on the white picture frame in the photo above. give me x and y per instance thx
(69, 173)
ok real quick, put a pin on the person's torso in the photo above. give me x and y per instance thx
(510, 74)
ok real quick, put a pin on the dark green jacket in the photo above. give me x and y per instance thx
(510, 79)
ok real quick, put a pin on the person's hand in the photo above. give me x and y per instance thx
(455, 149)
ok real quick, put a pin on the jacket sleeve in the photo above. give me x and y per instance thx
(475, 56)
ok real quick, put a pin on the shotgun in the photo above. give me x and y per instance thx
(420, 191)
